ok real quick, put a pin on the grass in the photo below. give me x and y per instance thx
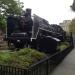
(22, 58)
(63, 46)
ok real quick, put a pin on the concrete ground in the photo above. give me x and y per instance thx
(67, 66)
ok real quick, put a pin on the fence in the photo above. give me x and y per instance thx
(8, 70)
(43, 67)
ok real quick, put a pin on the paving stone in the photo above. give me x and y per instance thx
(67, 66)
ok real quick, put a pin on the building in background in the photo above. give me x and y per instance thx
(65, 25)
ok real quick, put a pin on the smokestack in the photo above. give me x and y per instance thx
(28, 12)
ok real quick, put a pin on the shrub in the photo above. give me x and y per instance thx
(63, 46)
(22, 58)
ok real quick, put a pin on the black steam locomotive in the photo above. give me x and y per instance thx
(33, 31)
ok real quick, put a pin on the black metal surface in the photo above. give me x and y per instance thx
(25, 27)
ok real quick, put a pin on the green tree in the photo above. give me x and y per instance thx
(2, 23)
(9, 7)
(73, 5)
(72, 26)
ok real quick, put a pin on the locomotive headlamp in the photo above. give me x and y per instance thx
(18, 40)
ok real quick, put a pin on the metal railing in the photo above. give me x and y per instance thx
(8, 70)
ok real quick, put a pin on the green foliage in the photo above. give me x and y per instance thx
(2, 23)
(32, 53)
(9, 7)
(72, 27)
(5, 57)
(23, 58)
(73, 6)
(63, 46)
(37, 55)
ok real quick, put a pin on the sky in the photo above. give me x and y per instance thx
(55, 11)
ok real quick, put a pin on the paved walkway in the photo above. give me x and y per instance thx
(67, 66)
